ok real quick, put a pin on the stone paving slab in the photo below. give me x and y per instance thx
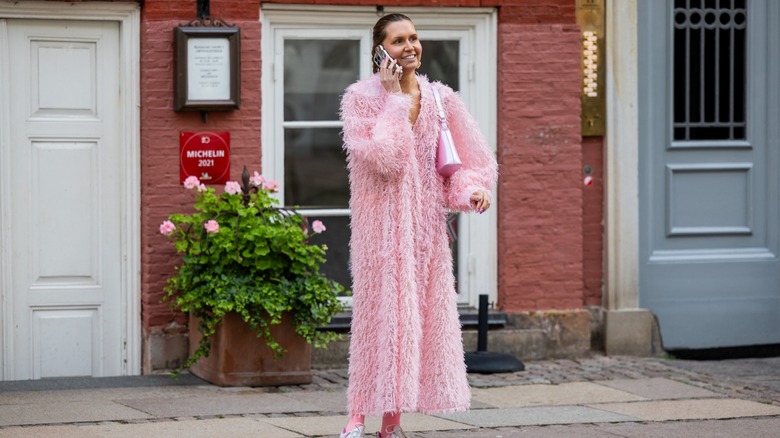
(219, 405)
(739, 428)
(551, 395)
(332, 425)
(73, 412)
(476, 404)
(536, 416)
(64, 396)
(690, 409)
(736, 428)
(328, 401)
(555, 431)
(47, 432)
(659, 388)
(65, 383)
(225, 427)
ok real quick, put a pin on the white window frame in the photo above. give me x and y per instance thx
(476, 28)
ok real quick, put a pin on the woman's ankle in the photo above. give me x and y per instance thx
(389, 420)
(355, 420)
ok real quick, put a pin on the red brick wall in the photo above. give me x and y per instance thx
(534, 11)
(540, 259)
(541, 233)
(593, 221)
(161, 193)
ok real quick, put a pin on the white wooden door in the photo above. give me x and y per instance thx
(63, 310)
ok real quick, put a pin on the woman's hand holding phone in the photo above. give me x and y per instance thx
(389, 71)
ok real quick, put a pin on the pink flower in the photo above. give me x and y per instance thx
(202, 188)
(167, 227)
(257, 180)
(317, 227)
(191, 182)
(232, 187)
(211, 226)
(272, 186)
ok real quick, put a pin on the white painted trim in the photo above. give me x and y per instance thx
(6, 340)
(130, 80)
(100, 11)
(350, 15)
(622, 157)
(478, 248)
(324, 212)
(129, 17)
(314, 124)
(482, 245)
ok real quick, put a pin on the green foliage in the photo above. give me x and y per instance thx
(259, 264)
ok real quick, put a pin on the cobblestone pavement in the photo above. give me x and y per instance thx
(749, 379)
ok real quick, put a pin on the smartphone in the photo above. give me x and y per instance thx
(379, 57)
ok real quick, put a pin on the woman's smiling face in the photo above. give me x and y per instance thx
(403, 44)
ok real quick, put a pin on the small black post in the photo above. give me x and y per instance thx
(482, 328)
(483, 362)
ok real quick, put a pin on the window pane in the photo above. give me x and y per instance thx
(316, 72)
(336, 236)
(315, 168)
(709, 69)
(440, 61)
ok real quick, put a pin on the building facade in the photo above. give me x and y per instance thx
(671, 234)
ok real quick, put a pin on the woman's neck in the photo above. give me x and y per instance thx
(409, 83)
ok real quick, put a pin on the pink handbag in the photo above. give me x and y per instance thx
(447, 159)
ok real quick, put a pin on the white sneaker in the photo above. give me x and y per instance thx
(394, 432)
(354, 433)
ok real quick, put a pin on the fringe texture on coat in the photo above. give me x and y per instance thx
(406, 352)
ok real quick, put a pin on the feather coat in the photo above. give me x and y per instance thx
(406, 352)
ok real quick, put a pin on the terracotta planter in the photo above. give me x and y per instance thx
(239, 358)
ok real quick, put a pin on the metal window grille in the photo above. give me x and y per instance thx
(709, 69)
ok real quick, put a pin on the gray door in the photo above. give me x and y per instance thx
(708, 111)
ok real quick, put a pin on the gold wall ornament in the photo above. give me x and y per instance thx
(590, 17)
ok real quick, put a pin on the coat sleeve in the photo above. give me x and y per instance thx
(376, 131)
(479, 170)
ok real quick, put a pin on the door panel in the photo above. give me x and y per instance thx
(708, 171)
(65, 214)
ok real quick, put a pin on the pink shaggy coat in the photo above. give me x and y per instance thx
(406, 353)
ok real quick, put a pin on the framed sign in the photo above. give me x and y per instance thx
(207, 71)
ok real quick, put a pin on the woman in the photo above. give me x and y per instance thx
(406, 353)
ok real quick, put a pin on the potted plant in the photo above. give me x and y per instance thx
(248, 270)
